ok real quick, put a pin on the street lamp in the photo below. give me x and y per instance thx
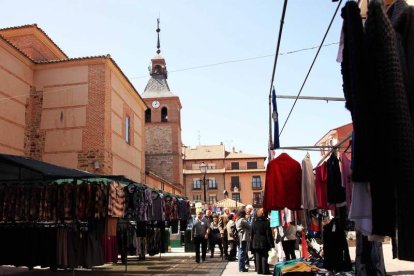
(203, 170)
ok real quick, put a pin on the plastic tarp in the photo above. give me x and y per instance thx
(228, 203)
(21, 168)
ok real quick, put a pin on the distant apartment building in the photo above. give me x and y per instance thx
(333, 137)
(237, 175)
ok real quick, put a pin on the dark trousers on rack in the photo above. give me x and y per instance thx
(203, 242)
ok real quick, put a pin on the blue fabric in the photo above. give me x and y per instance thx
(275, 115)
(274, 218)
(242, 255)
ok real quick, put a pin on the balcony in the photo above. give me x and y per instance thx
(245, 169)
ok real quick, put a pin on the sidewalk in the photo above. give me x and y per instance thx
(179, 263)
(392, 266)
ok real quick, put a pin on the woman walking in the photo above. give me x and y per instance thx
(232, 238)
(215, 237)
(289, 241)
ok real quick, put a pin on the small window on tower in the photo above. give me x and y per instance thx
(148, 115)
(164, 114)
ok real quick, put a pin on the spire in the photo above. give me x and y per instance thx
(158, 33)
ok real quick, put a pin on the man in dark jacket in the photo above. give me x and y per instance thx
(261, 242)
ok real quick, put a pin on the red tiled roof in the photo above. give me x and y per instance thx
(15, 47)
(40, 29)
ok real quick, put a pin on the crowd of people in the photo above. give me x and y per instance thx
(242, 236)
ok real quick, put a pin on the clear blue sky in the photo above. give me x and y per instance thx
(226, 103)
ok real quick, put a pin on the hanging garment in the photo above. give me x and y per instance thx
(336, 193)
(157, 206)
(275, 117)
(346, 178)
(321, 182)
(335, 246)
(116, 202)
(369, 257)
(394, 174)
(361, 208)
(353, 68)
(283, 184)
(309, 201)
(402, 17)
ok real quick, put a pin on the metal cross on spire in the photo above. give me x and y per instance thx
(158, 33)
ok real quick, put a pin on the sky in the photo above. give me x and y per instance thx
(222, 100)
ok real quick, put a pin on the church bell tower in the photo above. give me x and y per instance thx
(162, 123)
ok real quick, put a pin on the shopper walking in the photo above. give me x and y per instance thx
(232, 237)
(262, 241)
(289, 241)
(244, 229)
(199, 234)
(223, 219)
(215, 237)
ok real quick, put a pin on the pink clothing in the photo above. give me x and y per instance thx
(321, 179)
(346, 178)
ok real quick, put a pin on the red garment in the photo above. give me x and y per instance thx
(321, 180)
(305, 252)
(110, 249)
(283, 184)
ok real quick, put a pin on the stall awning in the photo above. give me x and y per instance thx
(228, 203)
(21, 168)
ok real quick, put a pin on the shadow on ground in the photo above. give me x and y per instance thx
(151, 266)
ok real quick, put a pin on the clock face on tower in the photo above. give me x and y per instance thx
(155, 104)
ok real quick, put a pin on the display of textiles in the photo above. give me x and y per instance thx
(116, 200)
(54, 245)
(49, 201)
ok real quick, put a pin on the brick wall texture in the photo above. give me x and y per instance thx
(34, 140)
(96, 136)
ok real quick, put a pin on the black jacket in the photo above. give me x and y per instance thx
(262, 238)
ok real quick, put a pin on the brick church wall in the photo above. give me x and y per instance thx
(96, 134)
(34, 140)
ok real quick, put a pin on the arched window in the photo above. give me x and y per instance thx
(148, 115)
(164, 114)
(157, 69)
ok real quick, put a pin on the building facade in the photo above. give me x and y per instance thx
(236, 175)
(333, 137)
(74, 112)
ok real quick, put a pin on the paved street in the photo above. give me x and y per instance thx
(180, 263)
(175, 263)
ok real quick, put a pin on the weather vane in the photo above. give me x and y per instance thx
(158, 33)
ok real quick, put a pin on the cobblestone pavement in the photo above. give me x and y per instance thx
(155, 266)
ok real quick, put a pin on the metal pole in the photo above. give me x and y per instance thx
(311, 98)
(204, 185)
